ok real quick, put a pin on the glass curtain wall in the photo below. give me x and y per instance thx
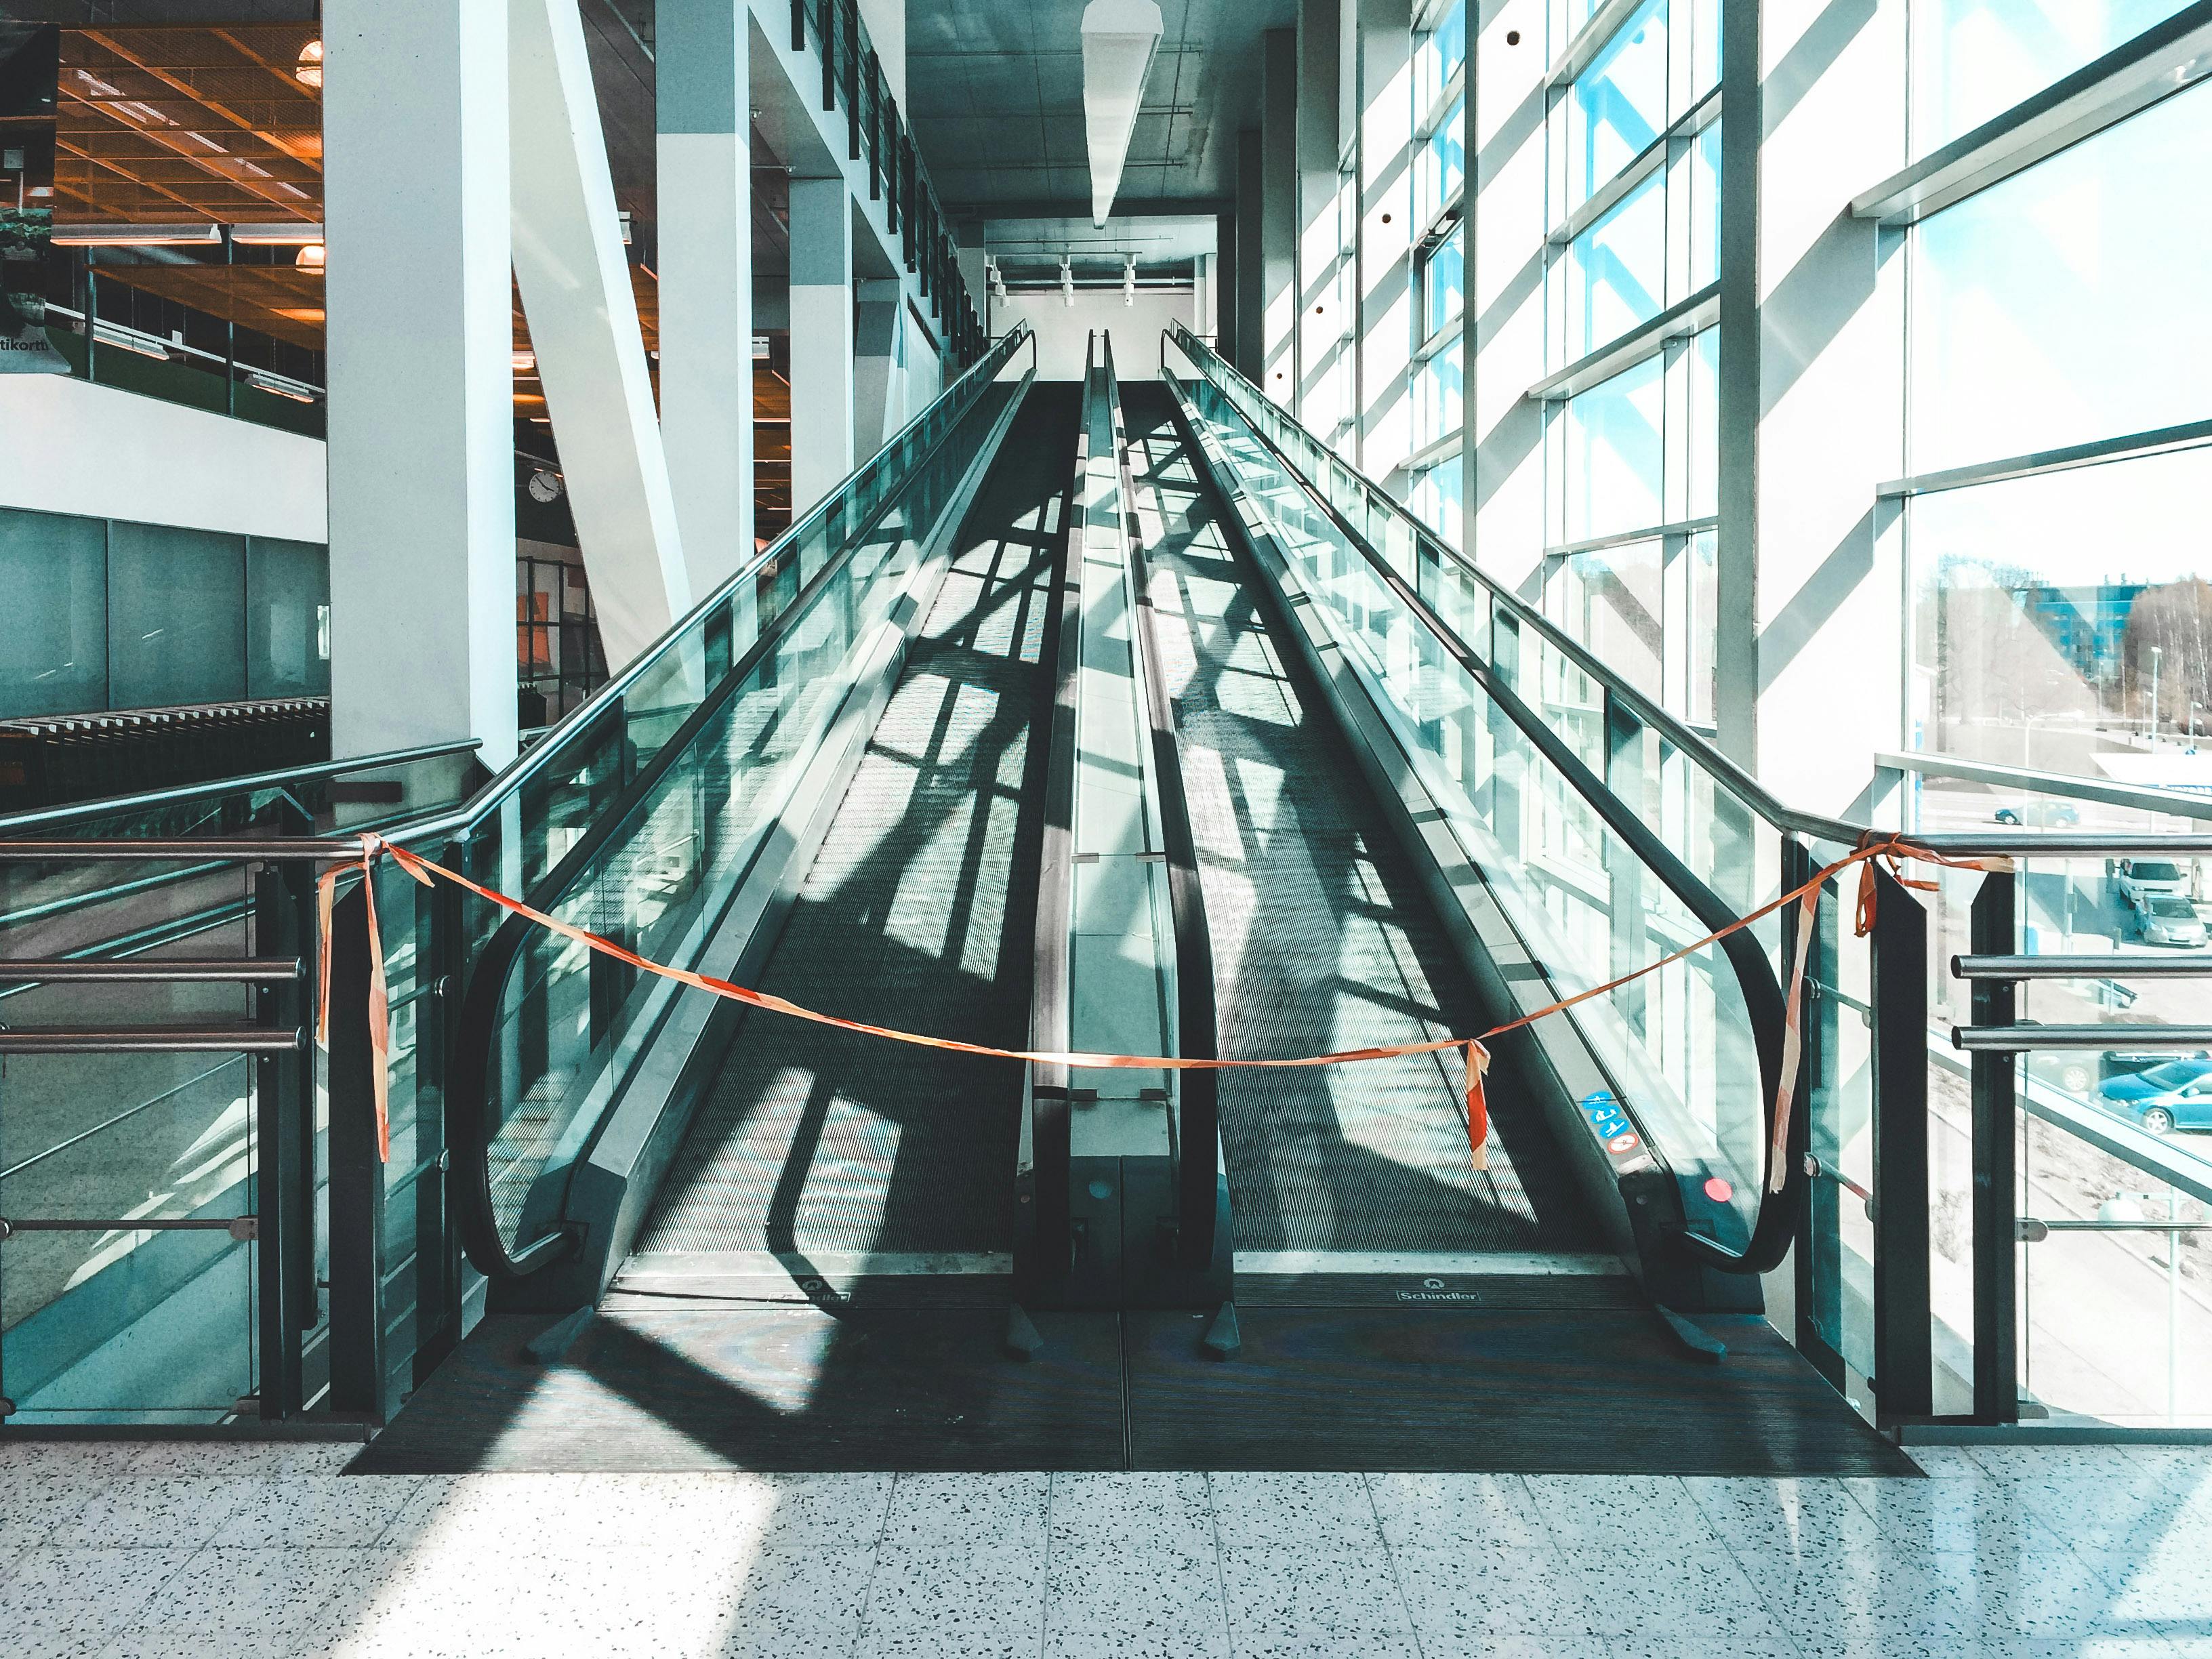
(2059, 363)
(1632, 344)
(1438, 385)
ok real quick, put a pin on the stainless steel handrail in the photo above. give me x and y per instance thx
(54, 818)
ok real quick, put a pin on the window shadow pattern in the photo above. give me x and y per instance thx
(918, 911)
(1322, 938)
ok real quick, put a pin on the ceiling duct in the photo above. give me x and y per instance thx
(1119, 39)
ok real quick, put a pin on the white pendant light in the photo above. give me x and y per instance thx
(1129, 281)
(1067, 283)
(1119, 39)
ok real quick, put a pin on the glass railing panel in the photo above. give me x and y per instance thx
(126, 1138)
(1680, 1042)
(687, 839)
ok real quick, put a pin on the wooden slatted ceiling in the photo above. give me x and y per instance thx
(210, 124)
(187, 125)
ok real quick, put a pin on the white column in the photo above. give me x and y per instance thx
(703, 162)
(1505, 231)
(1278, 207)
(822, 396)
(1201, 298)
(1819, 570)
(421, 413)
(879, 353)
(575, 283)
(1385, 229)
(1322, 322)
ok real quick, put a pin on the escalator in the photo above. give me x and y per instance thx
(1120, 721)
(826, 1152)
(1322, 936)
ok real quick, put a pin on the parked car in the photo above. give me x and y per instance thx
(2137, 879)
(2169, 919)
(2040, 814)
(2175, 1096)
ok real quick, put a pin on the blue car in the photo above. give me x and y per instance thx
(2175, 1096)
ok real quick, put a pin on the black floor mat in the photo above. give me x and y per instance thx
(1517, 1391)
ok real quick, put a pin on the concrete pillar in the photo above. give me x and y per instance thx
(1201, 296)
(1225, 284)
(421, 416)
(822, 393)
(1504, 480)
(1247, 350)
(704, 163)
(880, 359)
(1385, 278)
(1321, 328)
(1279, 209)
(575, 281)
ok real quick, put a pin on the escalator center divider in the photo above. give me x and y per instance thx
(1119, 1198)
(637, 1098)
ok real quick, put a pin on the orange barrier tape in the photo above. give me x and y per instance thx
(1895, 848)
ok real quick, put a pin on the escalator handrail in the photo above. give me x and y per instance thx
(469, 1129)
(1763, 1001)
(1197, 1141)
(464, 821)
(1707, 755)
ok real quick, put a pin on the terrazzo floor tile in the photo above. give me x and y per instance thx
(39, 1503)
(1466, 1602)
(271, 1459)
(1620, 1512)
(242, 1602)
(66, 1604)
(1304, 1511)
(1273, 1590)
(80, 1460)
(1131, 1565)
(157, 1513)
(989, 1513)
(1973, 1516)
(985, 1600)
(1784, 1518)
(491, 1512)
(1486, 1512)
(314, 1511)
(1704, 1594)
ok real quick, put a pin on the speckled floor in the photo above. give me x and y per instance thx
(183, 1549)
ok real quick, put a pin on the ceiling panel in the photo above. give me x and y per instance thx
(1014, 63)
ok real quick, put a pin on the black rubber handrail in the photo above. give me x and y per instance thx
(469, 1129)
(1764, 1002)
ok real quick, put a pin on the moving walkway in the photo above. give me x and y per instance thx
(1090, 722)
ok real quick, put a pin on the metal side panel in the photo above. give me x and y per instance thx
(657, 1075)
(1635, 1206)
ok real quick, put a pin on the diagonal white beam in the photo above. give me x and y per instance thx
(575, 284)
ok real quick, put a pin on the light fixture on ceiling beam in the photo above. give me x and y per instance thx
(1119, 39)
(291, 233)
(1068, 281)
(309, 70)
(136, 235)
(312, 257)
